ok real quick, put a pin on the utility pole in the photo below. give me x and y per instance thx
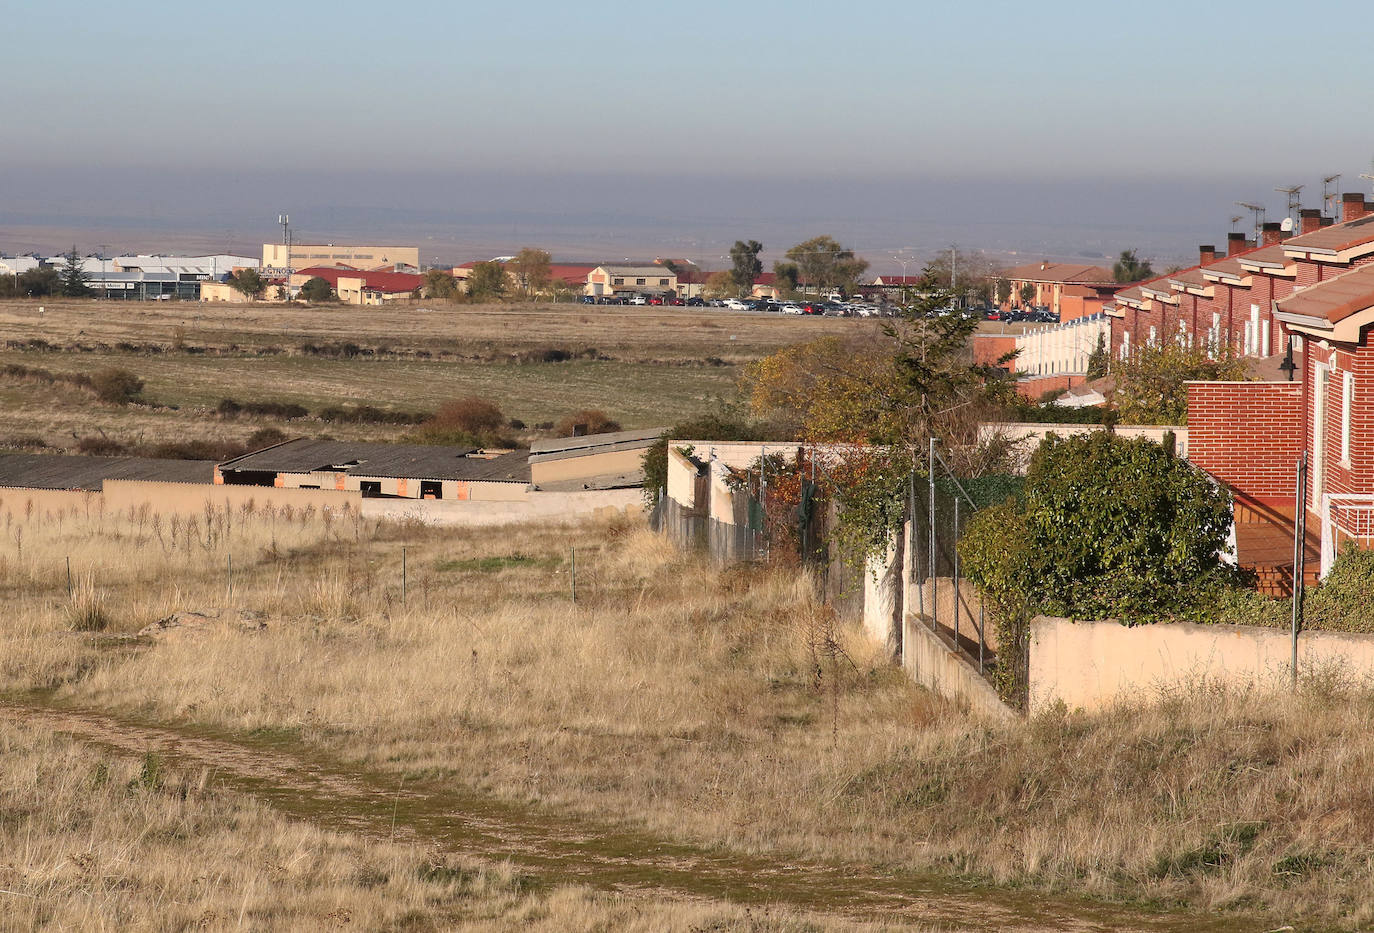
(285, 221)
(954, 272)
(104, 284)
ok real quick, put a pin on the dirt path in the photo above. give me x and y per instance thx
(557, 849)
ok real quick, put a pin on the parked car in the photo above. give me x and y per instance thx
(639, 300)
(791, 307)
(734, 304)
(696, 303)
(589, 299)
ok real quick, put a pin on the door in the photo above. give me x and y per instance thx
(1319, 395)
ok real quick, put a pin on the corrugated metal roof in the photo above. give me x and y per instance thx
(410, 461)
(55, 471)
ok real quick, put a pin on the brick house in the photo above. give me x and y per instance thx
(1052, 281)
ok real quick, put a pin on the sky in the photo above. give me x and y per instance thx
(605, 127)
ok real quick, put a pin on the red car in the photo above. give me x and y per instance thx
(655, 300)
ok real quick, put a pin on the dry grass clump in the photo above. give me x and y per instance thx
(94, 841)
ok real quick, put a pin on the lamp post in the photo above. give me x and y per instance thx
(104, 282)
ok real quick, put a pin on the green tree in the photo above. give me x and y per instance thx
(1151, 385)
(248, 282)
(719, 285)
(38, 282)
(1130, 269)
(531, 270)
(824, 265)
(1099, 361)
(1027, 295)
(1003, 292)
(73, 280)
(747, 267)
(487, 281)
(440, 283)
(317, 290)
(787, 276)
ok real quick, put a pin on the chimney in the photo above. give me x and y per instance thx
(1353, 206)
(1328, 221)
(1206, 255)
(1044, 264)
(1235, 243)
(1271, 234)
(1309, 219)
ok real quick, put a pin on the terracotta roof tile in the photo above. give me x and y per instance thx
(1060, 272)
(1335, 299)
(1334, 238)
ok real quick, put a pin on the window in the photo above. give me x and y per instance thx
(620, 281)
(1347, 397)
(639, 281)
(662, 281)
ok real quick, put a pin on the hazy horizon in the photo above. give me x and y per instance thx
(605, 131)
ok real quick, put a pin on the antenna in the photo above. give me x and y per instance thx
(1235, 219)
(1258, 211)
(1330, 200)
(1294, 203)
(1366, 175)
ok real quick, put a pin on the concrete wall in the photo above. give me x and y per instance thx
(682, 478)
(940, 669)
(460, 490)
(24, 502)
(884, 587)
(305, 255)
(1033, 434)
(1088, 665)
(192, 498)
(535, 507)
(588, 465)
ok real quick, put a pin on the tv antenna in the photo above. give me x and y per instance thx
(1235, 219)
(1366, 175)
(1294, 193)
(1331, 199)
(1258, 211)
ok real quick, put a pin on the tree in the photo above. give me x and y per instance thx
(745, 256)
(1130, 269)
(440, 283)
(116, 386)
(824, 265)
(1151, 385)
(1099, 361)
(1003, 292)
(787, 275)
(73, 279)
(487, 281)
(1027, 295)
(964, 273)
(719, 285)
(247, 282)
(317, 290)
(37, 282)
(531, 270)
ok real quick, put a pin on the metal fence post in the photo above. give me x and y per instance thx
(573, 561)
(956, 573)
(1299, 557)
(229, 561)
(930, 556)
(403, 574)
(70, 592)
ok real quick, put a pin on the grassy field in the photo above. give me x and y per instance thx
(727, 710)
(644, 367)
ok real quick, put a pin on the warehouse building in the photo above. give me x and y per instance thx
(398, 471)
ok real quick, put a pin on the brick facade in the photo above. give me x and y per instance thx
(1249, 435)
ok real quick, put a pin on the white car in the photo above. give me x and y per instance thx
(792, 308)
(734, 304)
(639, 300)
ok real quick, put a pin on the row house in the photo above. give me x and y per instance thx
(1229, 300)
(1068, 289)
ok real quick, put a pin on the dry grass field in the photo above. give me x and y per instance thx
(725, 710)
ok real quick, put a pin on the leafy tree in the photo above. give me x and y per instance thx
(1130, 269)
(1151, 384)
(1099, 361)
(247, 282)
(440, 283)
(787, 276)
(487, 281)
(1027, 295)
(1003, 292)
(825, 265)
(73, 280)
(37, 283)
(745, 256)
(963, 273)
(719, 285)
(317, 289)
(531, 270)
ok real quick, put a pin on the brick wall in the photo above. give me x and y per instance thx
(1037, 386)
(989, 348)
(1249, 435)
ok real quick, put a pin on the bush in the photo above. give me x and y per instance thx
(594, 421)
(228, 407)
(470, 415)
(1106, 528)
(116, 386)
(263, 437)
(1345, 600)
(99, 446)
(367, 414)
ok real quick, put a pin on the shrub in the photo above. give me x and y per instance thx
(99, 446)
(228, 407)
(1107, 528)
(592, 420)
(86, 609)
(116, 386)
(1345, 600)
(471, 415)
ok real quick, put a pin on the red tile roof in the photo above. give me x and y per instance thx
(1334, 238)
(389, 282)
(1334, 299)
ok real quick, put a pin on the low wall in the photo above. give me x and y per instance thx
(936, 666)
(192, 498)
(25, 502)
(535, 507)
(1089, 665)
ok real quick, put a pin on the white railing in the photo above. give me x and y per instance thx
(1349, 514)
(1062, 348)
